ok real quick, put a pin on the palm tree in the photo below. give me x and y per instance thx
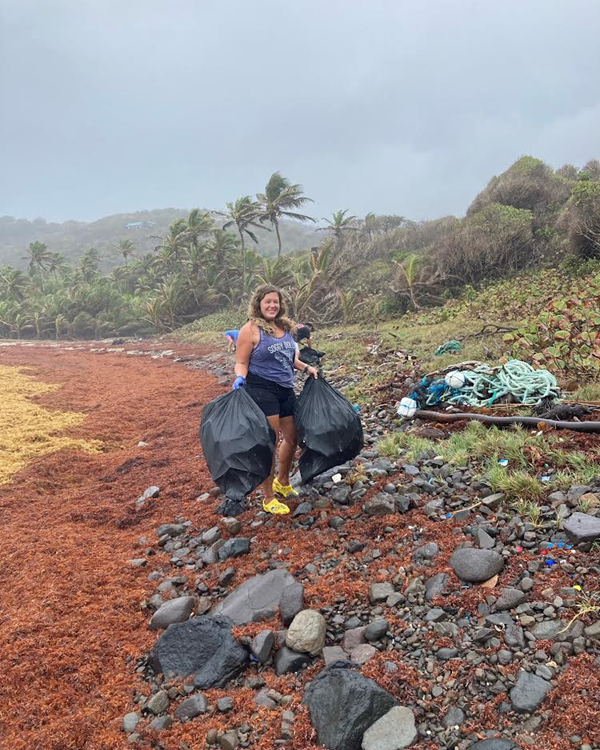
(39, 257)
(89, 264)
(245, 214)
(339, 224)
(410, 269)
(184, 234)
(371, 224)
(197, 223)
(13, 283)
(61, 325)
(126, 248)
(277, 202)
(223, 267)
(56, 263)
(277, 272)
(120, 277)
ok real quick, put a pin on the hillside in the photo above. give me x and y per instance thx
(528, 220)
(146, 229)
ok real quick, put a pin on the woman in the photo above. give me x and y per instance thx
(266, 357)
(231, 336)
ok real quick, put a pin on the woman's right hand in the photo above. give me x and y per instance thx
(238, 383)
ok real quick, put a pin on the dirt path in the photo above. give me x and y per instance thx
(70, 619)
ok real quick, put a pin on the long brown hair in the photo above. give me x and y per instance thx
(255, 315)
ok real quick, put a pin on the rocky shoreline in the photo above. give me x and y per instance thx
(424, 612)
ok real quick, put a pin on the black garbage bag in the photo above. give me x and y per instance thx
(238, 445)
(311, 356)
(329, 430)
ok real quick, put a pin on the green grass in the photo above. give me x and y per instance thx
(403, 444)
(487, 445)
(516, 485)
(530, 509)
(587, 392)
(210, 329)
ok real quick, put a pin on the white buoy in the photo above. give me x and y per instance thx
(407, 407)
(455, 379)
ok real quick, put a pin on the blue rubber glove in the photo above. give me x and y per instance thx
(238, 383)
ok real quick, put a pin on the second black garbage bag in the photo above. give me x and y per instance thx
(238, 443)
(329, 430)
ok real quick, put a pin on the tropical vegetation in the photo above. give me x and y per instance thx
(527, 219)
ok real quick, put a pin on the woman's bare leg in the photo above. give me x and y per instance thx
(287, 448)
(267, 485)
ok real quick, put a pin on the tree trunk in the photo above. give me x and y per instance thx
(243, 264)
(278, 238)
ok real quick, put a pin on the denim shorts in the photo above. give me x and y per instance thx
(273, 399)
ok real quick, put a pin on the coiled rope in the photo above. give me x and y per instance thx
(485, 385)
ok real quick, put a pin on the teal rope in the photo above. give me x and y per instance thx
(450, 346)
(516, 378)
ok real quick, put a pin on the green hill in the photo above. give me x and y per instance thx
(146, 229)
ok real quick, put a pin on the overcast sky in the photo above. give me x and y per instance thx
(391, 106)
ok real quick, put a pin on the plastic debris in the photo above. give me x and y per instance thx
(336, 478)
(455, 379)
(503, 462)
(447, 347)
(407, 408)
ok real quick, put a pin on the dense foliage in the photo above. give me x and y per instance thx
(529, 218)
(565, 337)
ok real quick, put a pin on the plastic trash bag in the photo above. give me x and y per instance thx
(311, 356)
(329, 430)
(238, 444)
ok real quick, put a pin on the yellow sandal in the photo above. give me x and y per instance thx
(286, 490)
(275, 507)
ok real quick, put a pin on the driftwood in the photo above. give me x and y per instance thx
(489, 329)
(435, 416)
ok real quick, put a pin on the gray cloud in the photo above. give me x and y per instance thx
(388, 106)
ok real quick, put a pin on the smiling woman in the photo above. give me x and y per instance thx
(28, 430)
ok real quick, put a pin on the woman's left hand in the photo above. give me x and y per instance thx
(312, 371)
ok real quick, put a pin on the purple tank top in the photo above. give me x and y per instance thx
(273, 359)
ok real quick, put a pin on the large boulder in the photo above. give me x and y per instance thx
(343, 705)
(203, 648)
(256, 599)
(476, 565)
(582, 528)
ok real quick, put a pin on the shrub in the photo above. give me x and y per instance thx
(528, 184)
(489, 244)
(583, 219)
(566, 337)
